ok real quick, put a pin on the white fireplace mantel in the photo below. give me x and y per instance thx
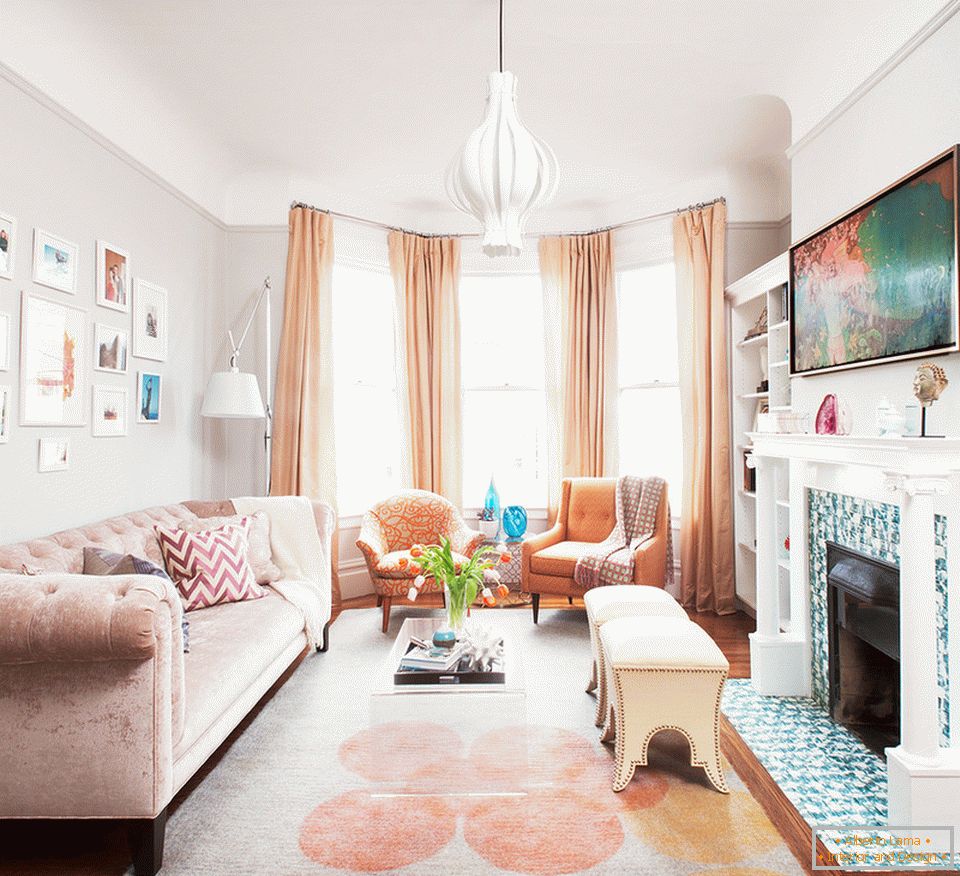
(922, 476)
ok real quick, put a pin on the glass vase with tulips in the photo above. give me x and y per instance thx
(462, 580)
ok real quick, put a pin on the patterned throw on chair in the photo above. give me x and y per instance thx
(612, 560)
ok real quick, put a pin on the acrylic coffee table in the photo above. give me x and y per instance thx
(477, 707)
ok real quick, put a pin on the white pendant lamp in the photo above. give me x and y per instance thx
(503, 172)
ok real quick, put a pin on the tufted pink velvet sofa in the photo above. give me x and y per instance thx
(102, 715)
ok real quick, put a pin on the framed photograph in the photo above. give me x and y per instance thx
(53, 363)
(55, 261)
(150, 326)
(8, 243)
(113, 277)
(148, 397)
(5, 338)
(53, 455)
(6, 414)
(109, 348)
(109, 411)
(879, 284)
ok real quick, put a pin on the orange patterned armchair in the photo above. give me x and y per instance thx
(393, 526)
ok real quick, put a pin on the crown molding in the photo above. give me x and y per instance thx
(878, 75)
(29, 89)
(769, 225)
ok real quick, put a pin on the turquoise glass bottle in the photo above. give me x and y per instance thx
(492, 503)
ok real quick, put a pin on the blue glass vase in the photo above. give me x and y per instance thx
(492, 503)
(514, 522)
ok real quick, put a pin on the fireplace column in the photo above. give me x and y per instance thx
(919, 747)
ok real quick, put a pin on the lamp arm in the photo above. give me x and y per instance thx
(264, 292)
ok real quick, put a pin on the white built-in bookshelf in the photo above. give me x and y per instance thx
(750, 359)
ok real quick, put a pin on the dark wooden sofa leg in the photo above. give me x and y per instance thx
(386, 614)
(146, 839)
(536, 607)
(325, 644)
(379, 600)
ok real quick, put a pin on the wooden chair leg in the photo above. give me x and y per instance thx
(146, 838)
(536, 607)
(386, 614)
(379, 600)
(569, 600)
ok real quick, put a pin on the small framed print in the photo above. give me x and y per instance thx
(6, 414)
(113, 277)
(109, 348)
(5, 337)
(55, 261)
(8, 243)
(53, 454)
(148, 397)
(150, 325)
(109, 411)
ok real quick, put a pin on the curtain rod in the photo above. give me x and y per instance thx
(374, 224)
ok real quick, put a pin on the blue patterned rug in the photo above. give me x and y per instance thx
(826, 772)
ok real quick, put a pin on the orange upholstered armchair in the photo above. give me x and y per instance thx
(390, 528)
(587, 515)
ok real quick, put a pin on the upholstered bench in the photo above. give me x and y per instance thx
(609, 603)
(663, 673)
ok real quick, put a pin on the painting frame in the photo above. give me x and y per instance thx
(8, 226)
(53, 454)
(111, 399)
(44, 326)
(43, 272)
(150, 322)
(949, 323)
(6, 412)
(101, 332)
(6, 338)
(106, 279)
(144, 405)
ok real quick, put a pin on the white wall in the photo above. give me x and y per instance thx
(908, 117)
(56, 177)
(751, 244)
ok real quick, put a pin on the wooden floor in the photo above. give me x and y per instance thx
(91, 847)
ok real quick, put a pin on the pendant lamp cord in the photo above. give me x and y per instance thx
(501, 36)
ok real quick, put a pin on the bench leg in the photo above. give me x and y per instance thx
(536, 607)
(146, 837)
(592, 683)
(602, 698)
(325, 644)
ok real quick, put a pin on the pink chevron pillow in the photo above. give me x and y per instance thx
(210, 566)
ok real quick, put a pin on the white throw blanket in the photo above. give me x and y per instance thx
(300, 554)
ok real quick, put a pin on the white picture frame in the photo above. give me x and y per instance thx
(6, 413)
(111, 348)
(149, 397)
(8, 231)
(151, 326)
(53, 363)
(55, 261)
(110, 412)
(53, 454)
(6, 337)
(113, 277)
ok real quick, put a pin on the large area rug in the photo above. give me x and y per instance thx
(312, 787)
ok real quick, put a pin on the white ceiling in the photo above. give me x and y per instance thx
(358, 106)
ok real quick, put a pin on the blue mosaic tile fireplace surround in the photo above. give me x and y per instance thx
(873, 528)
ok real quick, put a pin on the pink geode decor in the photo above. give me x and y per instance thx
(833, 418)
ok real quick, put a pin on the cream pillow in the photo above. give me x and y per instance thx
(260, 556)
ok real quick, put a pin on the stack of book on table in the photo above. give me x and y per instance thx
(431, 659)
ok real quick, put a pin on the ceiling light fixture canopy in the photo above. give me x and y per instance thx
(503, 172)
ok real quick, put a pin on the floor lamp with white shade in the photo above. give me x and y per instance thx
(235, 394)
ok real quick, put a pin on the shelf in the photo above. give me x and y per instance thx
(779, 325)
(751, 494)
(784, 364)
(780, 407)
(783, 503)
(783, 564)
(747, 547)
(755, 395)
(756, 339)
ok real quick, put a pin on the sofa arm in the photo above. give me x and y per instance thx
(650, 562)
(370, 541)
(91, 687)
(58, 617)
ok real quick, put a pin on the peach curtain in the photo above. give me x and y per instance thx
(580, 312)
(426, 273)
(303, 442)
(706, 526)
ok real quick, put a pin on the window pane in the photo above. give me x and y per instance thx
(367, 427)
(501, 329)
(651, 440)
(504, 436)
(647, 325)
